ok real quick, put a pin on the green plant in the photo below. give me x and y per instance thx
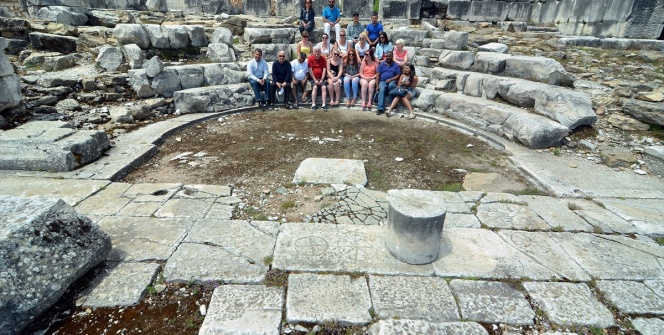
(600, 204)
(268, 260)
(151, 290)
(376, 5)
(659, 240)
(556, 151)
(596, 331)
(255, 214)
(286, 205)
(512, 202)
(557, 229)
(573, 207)
(474, 209)
(530, 191)
(597, 230)
(189, 323)
(451, 187)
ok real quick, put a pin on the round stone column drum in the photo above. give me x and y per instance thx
(415, 225)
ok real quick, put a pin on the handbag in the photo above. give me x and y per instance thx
(399, 91)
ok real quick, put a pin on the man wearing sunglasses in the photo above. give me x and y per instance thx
(331, 17)
(281, 77)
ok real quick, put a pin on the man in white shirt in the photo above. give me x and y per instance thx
(300, 69)
(258, 78)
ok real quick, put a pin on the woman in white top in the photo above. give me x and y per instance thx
(362, 45)
(325, 46)
(343, 44)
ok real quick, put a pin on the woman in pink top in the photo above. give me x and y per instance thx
(368, 78)
(400, 54)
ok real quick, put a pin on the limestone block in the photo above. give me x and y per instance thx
(3, 122)
(490, 62)
(220, 52)
(14, 24)
(462, 60)
(157, 36)
(456, 40)
(627, 123)
(62, 14)
(582, 41)
(648, 112)
(197, 36)
(532, 68)
(102, 18)
(190, 76)
(411, 37)
(178, 36)
(270, 51)
(569, 108)
(139, 82)
(213, 98)
(10, 91)
(437, 44)
(166, 82)
(401, 327)
(120, 114)
(153, 66)
(110, 58)
(267, 36)
(61, 44)
(426, 100)
(6, 67)
(257, 7)
(649, 326)
(57, 63)
(534, 131)
(492, 302)
(156, 5)
(45, 247)
(222, 35)
(134, 55)
(494, 47)
(131, 33)
(415, 221)
(222, 73)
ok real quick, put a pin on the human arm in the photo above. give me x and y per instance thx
(326, 14)
(250, 70)
(413, 83)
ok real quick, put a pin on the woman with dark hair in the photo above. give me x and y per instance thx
(304, 46)
(351, 77)
(307, 17)
(368, 78)
(405, 90)
(383, 47)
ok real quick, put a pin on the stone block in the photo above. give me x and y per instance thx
(269, 35)
(213, 98)
(132, 33)
(178, 36)
(411, 37)
(45, 247)
(222, 35)
(62, 14)
(110, 58)
(394, 327)
(490, 62)
(461, 60)
(220, 52)
(61, 44)
(648, 112)
(492, 302)
(197, 36)
(122, 284)
(631, 297)
(331, 171)
(134, 55)
(166, 82)
(153, 66)
(570, 108)
(493, 47)
(222, 73)
(103, 18)
(532, 68)
(190, 75)
(10, 91)
(157, 35)
(456, 40)
(57, 63)
(259, 8)
(139, 82)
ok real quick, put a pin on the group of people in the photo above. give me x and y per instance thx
(362, 60)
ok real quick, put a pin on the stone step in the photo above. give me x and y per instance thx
(613, 43)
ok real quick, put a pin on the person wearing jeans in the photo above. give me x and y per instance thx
(352, 77)
(388, 74)
(258, 78)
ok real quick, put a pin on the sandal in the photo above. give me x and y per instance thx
(352, 102)
(347, 103)
(411, 115)
(388, 113)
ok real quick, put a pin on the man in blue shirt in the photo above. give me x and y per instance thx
(374, 29)
(331, 17)
(258, 78)
(388, 74)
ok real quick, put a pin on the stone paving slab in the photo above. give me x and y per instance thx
(641, 243)
(152, 192)
(556, 213)
(569, 304)
(456, 220)
(243, 310)
(105, 202)
(492, 197)
(143, 238)
(71, 193)
(220, 212)
(331, 171)
(254, 241)
(647, 215)
(544, 250)
(201, 191)
(116, 163)
(605, 221)
(510, 216)
(318, 298)
(605, 259)
(417, 298)
(140, 209)
(492, 302)
(491, 257)
(122, 284)
(471, 196)
(352, 248)
(416, 327)
(632, 297)
(202, 263)
(648, 326)
(184, 208)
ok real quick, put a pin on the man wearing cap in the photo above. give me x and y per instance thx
(281, 77)
(331, 18)
(355, 28)
(300, 69)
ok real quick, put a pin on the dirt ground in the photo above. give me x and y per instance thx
(259, 152)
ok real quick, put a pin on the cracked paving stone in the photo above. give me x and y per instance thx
(122, 284)
(632, 297)
(492, 302)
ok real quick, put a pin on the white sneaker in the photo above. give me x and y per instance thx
(281, 91)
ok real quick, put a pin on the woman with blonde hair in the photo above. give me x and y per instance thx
(362, 46)
(343, 44)
(368, 79)
(400, 54)
(335, 70)
(304, 45)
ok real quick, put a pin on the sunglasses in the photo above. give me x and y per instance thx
(282, 56)
(342, 35)
(324, 37)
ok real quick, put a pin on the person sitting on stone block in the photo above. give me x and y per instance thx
(354, 29)
(300, 78)
(281, 77)
(307, 17)
(374, 29)
(331, 18)
(317, 75)
(388, 74)
(258, 78)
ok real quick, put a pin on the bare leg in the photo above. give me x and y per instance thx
(324, 95)
(406, 102)
(372, 86)
(314, 91)
(365, 87)
(337, 91)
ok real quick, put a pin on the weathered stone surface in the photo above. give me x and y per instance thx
(605, 221)
(106, 202)
(153, 66)
(132, 33)
(491, 302)
(213, 98)
(197, 36)
(62, 14)
(190, 75)
(569, 304)
(243, 309)
(61, 29)
(490, 62)
(352, 248)
(222, 35)
(318, 298)
(71, 193)
(140, 83)
(45, 246)
(532, 68)
(494, 257)
(648, 326)
(605, 259)
(110, 58)
(222, 73)
(570, 108)
(415, 221)
(121, 284)
(414, 327)
(627, 123)
(62, 44)
(557, 213)
(157, 35)
(461, 60)
(648, 112)
(166, 82)
(455, 220)
(10, 91)
(57, 63)
(632, 297)
(103, 18)
(493, 47)
(417, 298)
(184, 208)
(178, 36)
(14, 24)
(220, 52)
(645, 214)
(269, 36)
(331, 171)
(134, 56)
(510, 216)
(456, 40)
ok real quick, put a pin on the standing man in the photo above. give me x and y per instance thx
(317, 71)
(257, 72)
(388, 73)
(331, 17)
(300, 76)
(355, 28)
(374, 29)
(281, 77)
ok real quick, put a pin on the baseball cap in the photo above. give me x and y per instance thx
(303, 55)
